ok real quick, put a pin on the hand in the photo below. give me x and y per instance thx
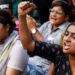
(25, 7)
(31, 23)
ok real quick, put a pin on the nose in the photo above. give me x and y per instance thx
(67, 38)
(53, 13)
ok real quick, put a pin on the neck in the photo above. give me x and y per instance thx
(3, 39)
(72, 59)
(54, 27)
(72, 63)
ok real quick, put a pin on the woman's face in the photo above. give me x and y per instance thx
(3, 33)
(69, 40)
(57, 16)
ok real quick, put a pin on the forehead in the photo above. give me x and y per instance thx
(71, 28)
(57, 8)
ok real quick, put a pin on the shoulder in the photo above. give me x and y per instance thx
(17, 47)
(18, 57)
(44, 25)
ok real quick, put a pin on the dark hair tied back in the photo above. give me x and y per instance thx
(6, 18)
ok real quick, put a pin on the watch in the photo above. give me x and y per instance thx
(33, 30)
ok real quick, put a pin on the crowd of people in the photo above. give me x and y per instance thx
(52, 31)
(63, 59)
(26, 49)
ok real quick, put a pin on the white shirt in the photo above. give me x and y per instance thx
(17, 57)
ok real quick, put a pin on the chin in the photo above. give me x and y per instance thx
(52, 22)
(65, 51)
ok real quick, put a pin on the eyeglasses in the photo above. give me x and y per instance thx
(57, 11)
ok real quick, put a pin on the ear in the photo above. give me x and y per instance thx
(67, 18)
(7, 27)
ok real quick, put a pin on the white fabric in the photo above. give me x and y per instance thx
(55, 35)
(39, 61)
(4, 6)
(4, 52)
(17, 58)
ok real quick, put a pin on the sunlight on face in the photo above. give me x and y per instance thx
(69, 40)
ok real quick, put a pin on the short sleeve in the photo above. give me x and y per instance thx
(18, 57)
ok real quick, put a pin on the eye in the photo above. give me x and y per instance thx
(73, 35)
(57, 11)
(51, 10)
(66, 33)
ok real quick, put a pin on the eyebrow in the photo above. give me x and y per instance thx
(70, 32)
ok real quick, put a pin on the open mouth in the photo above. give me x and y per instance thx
(66, 46)
(53, 19)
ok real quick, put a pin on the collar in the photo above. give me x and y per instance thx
(64, 25)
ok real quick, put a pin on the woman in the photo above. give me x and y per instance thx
(58, 22)
(13, 57)
(63, 58)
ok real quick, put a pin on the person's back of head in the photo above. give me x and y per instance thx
(6, 5)
(6, 18)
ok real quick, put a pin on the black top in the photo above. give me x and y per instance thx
(54, 53)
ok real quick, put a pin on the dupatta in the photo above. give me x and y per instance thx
(4, 52)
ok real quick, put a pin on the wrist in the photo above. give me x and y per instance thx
(33, 31)
(21, 16)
